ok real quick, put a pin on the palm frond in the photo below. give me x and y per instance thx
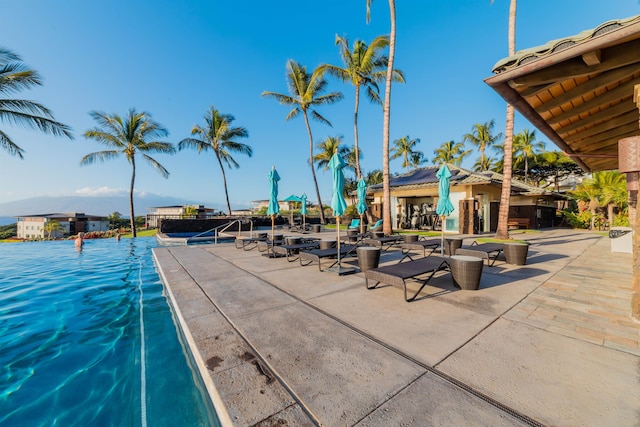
(99, 156)
(316, 116)
(8, 145)
(157, 166)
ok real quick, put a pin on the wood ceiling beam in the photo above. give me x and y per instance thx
(615, 134)
(622, 92)
(599, 82)
(600, 116)
(621, 120)
(614, 57)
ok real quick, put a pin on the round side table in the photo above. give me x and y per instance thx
(466, 271)
(368, 257)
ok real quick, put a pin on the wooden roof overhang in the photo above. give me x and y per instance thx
(578, 91)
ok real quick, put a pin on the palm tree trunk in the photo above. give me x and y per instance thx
(355, 132)
(131, 215)
(502, 231)
(224, 182)
(386, 189)
(313, 170)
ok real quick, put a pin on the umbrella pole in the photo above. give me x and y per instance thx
(442, 241)
(273, 226)
(338, 228)
(361, 225)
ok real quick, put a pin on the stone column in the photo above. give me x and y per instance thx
(629, 163)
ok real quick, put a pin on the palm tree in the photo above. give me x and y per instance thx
(15, 77)
(613, 191)
(364, 67)
(220, 137)
(374, 177)
(404, 147)
(350, 158)
(482, 136)
(386, 108)
(450, 152)
(128, 136)
(114, 218)
(502, 231)
(525, 146)
(416, 159)
(327, 148)
(486, 164)
(189, 212)
(52, 227)
(305, 93)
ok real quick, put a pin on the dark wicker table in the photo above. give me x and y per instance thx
(466, 271)
(516, 253)
(451, 244)
(368, 257)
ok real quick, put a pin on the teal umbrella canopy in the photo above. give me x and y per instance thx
(362, 194)
(338, 204)
(293, 198)
(444, 206)
(274, 207)
(303, 208)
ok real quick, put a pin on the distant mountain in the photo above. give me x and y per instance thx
(91, 205)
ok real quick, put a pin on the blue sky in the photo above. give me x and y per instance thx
(175, 58)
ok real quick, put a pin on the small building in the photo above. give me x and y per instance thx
(256, 205)
(157, 214)
(475, 196)
(34, 226)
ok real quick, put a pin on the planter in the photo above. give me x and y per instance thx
(516, 253)
(466, 271)
(327, 244)
(451, 244)
(368, 257)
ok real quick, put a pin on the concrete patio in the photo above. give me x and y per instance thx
(548, 343)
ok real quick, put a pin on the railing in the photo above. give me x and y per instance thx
(221, 229)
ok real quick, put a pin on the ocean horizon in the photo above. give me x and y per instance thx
(6, 220)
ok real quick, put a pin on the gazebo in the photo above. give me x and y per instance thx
(583, 93)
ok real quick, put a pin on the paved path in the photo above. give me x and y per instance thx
(549, 343)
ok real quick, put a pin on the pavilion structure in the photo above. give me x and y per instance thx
(583, 93)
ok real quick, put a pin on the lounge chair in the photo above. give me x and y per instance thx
(355, 225)
(289, 250)
(420, 245)
(385, 243)
(248, 243)
(376, 227)
(487, 251)
(316, 255)
(397, 274)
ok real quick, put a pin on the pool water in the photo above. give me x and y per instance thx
(78, 350)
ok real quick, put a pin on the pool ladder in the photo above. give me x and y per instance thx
(221, 229)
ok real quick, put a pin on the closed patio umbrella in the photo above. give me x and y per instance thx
(362, 203)
(274, 207)
(444, 207)
(303, 210)
(338, 204)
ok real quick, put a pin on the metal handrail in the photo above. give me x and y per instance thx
(221, 228)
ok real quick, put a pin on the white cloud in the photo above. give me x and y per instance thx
(99, 191)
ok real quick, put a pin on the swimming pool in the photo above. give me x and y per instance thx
(77, 349)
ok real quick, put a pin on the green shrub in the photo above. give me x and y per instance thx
(578, 220)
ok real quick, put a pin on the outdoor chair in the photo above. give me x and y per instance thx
(384, 243)
(376, 227)
(398, 274)
(292, 251)
(248, 243)
(487, 251)
(355, 225)
(420, 245)
(317, 255)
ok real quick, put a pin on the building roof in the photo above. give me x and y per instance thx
(578, 90)
(426, 178)
(57, 215)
